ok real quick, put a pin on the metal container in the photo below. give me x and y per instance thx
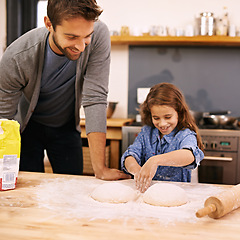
(217, 119)
(220, 120)
(206, 24)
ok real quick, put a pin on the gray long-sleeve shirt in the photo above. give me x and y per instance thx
(21, 71)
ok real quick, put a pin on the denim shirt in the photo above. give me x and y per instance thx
(148, 143)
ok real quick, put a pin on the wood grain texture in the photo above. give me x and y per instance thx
(223, 41)
(22, 218)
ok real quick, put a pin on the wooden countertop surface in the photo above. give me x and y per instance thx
(114, 127)
(23, 217)
(113, 122)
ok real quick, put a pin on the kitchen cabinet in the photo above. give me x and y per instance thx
(114, 135)
(24, 214)
(220, 41)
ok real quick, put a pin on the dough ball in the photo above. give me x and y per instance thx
(113, 192)
(165, 195)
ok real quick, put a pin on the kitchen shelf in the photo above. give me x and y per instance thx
(221, 41)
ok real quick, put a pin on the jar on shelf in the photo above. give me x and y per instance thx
(222, 24)
(206, 24)
(124, 31)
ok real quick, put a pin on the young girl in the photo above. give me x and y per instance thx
(169, 145)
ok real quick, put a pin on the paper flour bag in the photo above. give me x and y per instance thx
(10, 142)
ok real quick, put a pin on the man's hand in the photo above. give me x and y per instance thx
(97, 144)
(111, 174)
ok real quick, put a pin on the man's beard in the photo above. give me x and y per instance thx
(64, 50)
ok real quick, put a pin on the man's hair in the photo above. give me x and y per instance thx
(59, 10)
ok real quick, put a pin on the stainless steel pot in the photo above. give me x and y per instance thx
(214, 118)
(221, 120)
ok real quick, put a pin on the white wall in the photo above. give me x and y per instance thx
(142, 13)
(3, 25)
(172, 12)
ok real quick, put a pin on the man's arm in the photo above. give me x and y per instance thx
(97, 144)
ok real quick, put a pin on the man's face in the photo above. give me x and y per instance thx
(71, 37)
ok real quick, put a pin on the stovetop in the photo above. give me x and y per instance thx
(227, 127)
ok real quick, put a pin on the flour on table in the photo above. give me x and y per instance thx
(165, 195)
(113, 192)
(71, 198)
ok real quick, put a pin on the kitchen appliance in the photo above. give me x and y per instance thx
(221, 164)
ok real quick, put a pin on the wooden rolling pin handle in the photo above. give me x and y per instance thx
(206, 210)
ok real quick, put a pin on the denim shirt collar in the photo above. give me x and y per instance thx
(166, 138)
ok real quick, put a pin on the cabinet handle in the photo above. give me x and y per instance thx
(229, 159)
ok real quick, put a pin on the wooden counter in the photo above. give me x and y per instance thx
(22, 217)
(114, 134)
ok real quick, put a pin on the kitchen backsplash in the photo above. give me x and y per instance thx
(208, 77)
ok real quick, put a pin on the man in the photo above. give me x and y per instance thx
(46, 75)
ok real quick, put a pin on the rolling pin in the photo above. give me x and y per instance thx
(221, 204)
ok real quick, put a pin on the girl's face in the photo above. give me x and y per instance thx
(164, 118)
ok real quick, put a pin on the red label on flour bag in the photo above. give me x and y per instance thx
(9, 153)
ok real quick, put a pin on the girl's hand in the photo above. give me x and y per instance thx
(144, 177)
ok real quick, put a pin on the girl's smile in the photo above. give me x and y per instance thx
(164, 118)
